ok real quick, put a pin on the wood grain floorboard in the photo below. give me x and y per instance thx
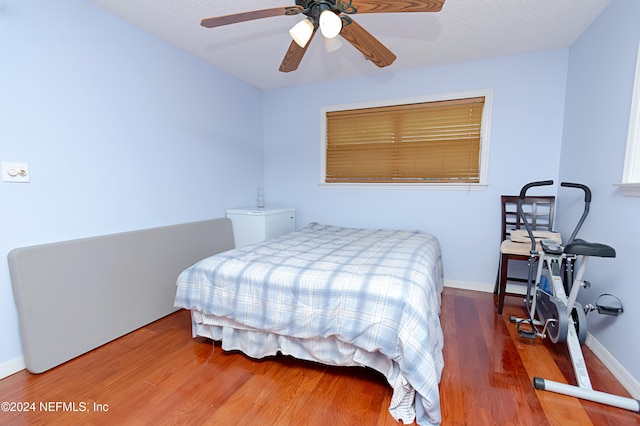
(159, 375)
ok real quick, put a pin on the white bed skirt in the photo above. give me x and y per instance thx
(259, 344)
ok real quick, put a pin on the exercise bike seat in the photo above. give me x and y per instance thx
(583, 248)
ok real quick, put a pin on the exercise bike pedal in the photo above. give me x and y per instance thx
(528, 334)
(610, 310)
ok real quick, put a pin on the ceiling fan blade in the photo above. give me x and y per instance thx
(367, 44)
(389, 6)
(294, 55)
(218, 21)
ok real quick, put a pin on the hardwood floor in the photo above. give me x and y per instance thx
(160, 375)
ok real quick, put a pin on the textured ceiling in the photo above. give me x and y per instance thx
(465, 30)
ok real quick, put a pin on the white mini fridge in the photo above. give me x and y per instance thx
(252, 224)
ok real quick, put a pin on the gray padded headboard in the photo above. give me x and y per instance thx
(74, 296)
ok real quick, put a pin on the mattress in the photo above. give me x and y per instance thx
(340, 296)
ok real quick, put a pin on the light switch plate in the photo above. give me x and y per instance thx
(15, 172)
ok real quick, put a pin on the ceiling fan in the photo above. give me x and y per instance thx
(332, 18)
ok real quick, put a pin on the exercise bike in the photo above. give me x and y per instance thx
(553, 313)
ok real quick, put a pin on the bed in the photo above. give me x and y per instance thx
(338, 296)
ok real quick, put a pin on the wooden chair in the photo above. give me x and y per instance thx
(539, 212)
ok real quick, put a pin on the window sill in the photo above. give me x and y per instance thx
(629, 189)
(401, 186)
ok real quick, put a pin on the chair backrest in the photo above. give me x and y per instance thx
(539, 211)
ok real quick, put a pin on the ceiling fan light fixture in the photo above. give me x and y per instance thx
(332, 44)
(301, 32)
(330, 24)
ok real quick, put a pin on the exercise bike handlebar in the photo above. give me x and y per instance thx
(523, 192)
(525, 188)
(523, 216)
(587, 202)
(585, 188)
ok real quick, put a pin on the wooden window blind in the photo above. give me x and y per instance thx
(430, 142)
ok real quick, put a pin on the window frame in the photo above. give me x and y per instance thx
(631, 173)
(484, 142)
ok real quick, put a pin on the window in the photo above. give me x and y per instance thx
(437, 141)
(631, 175)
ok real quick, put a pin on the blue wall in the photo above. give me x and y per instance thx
(120, 130)
(535, 134)
(123, 131)
(599, 91)
(526, 135)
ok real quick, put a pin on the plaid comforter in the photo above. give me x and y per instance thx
(378, 290)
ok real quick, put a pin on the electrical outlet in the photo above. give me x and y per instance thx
(15, 172)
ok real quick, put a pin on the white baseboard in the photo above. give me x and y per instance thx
(12, 366)
(484, 287)
(618, 371)
(469, 285)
